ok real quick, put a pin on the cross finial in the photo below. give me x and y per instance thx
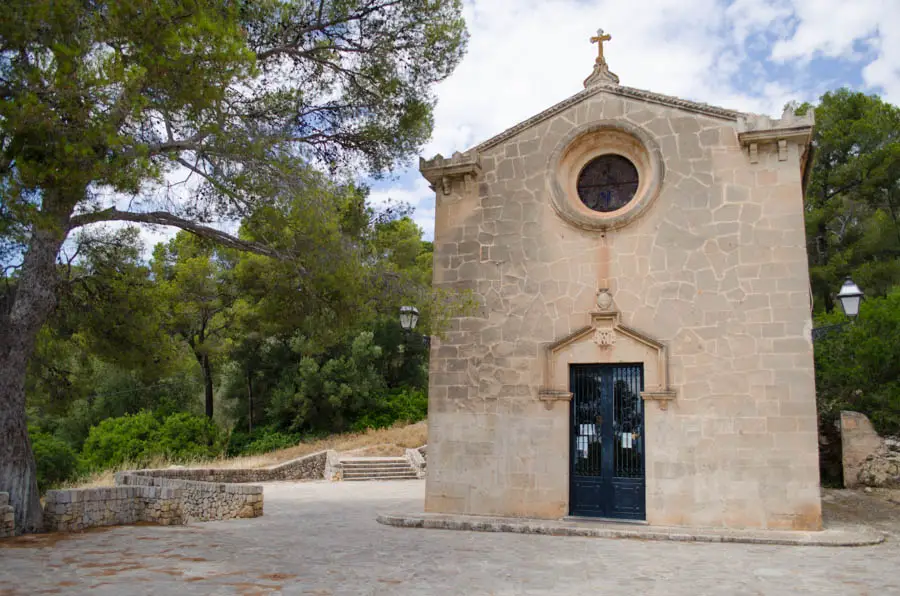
(599, 39)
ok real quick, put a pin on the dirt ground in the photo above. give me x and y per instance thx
(877, 508)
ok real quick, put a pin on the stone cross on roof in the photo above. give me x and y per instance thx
(599, 39)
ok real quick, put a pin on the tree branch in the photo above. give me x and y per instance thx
(164, 218)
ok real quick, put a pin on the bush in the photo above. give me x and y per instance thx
(261, 440)
(858, 365)
(401, 405)
(140, 437)
(185, 437)
(56, 460)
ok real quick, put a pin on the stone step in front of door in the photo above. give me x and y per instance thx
(377, 468)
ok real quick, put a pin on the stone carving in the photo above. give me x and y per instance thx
(605, 338)
(604, 300)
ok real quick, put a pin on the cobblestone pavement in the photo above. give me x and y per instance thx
(322, 538)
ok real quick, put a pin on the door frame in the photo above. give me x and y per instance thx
(608, 486)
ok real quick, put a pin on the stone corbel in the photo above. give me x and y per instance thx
(442, 173)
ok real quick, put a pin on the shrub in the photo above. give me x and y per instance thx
(401, 405)
(139, 437)
(117, 440)
(185, 436)
(56, 460)
(261, 440)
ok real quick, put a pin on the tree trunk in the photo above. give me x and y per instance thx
(35, 300)
(249, 402)
(208, 384)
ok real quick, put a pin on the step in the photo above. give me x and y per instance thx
(378, 470)
(364, 478)
(356, 461)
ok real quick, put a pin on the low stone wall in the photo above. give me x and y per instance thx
(308, 467)
(867, 458)
(7, 517)
(147, 499)
(77, 509)
(203, 501)
(417, 461)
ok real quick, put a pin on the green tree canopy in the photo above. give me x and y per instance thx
(179, 113)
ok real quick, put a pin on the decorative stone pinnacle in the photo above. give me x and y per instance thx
(601, 74)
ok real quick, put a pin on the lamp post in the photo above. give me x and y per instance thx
(409, 316)
(849, 298)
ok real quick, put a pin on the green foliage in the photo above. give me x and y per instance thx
(400, 405)
(56, 460)
(853, 196)
(114, 441)
(329, 395)
(858, 365)
(138, 438)
(261, 440)
(184, 437)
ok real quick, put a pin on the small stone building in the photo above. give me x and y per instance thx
(642, 349)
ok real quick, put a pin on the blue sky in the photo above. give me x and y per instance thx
(749, 55)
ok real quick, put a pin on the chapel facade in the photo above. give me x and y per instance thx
(642, 349)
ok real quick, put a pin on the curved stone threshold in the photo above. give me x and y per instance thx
(846, 536)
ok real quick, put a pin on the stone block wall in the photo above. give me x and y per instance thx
(308, 467)
(7, 517)
(138, 498)
(74, 510)
(203, 501)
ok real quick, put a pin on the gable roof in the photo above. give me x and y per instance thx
(628, 92)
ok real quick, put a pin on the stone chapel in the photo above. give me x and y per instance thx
(642, 349)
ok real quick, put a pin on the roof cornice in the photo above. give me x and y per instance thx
(622, 91)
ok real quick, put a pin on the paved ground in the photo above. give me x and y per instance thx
(322, 538)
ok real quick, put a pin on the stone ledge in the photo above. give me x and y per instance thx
(850, 536)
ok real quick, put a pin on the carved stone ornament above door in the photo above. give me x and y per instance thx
(605, 340)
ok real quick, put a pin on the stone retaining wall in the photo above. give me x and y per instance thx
(7, 517)
(203, 501)
(308, 467)
(78, 509)
(147, 499)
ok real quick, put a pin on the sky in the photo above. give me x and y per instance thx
(748, 55)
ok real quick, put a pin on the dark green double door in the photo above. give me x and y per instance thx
(607, 448)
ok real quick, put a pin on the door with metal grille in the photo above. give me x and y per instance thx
(607, 447)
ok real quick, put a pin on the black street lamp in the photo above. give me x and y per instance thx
(409, 316)
(849, 298)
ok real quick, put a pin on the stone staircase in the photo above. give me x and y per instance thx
(377, 468)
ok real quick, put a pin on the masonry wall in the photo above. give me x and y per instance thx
(308, 467)
(146, 499)
(7, 517)
(715, 269)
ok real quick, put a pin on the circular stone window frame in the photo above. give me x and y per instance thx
(588, 142)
